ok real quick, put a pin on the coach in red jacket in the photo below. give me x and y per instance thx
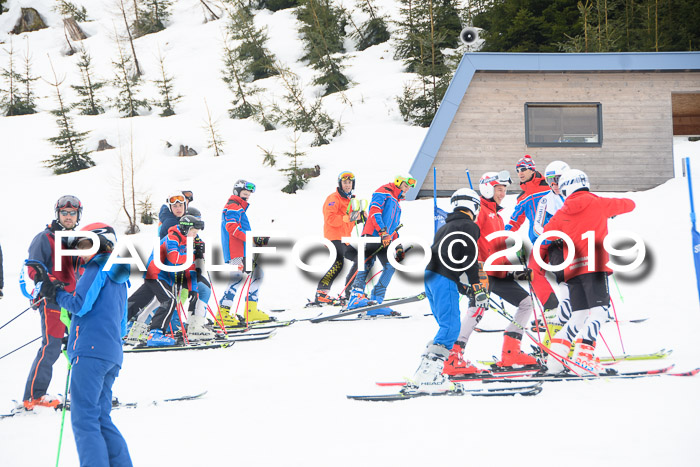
(586, 276)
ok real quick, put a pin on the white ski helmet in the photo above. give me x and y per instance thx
(572, 181)
(554, 171)
(466, 198)
(492, 179)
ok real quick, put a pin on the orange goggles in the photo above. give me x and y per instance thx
(177, 199)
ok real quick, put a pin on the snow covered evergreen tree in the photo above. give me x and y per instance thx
(304, 117)
(11, 100)
(259, 61)
(426, 29)
(165, 88)
(151, 16)
(72, 155)
(27, 103)
(90, 103)
(322, 30)
(127, 81)
(373, 31)
(243, 91)
(214, 140)
(294, 172)
(70, 9)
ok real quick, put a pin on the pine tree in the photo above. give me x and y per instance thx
(127, 82)
(151, 16)
(373, 31)
(165, 88)
(69, 9)
(295, 179)
(11, 102)
(269, 157)
(304, 117)
(72, 156)
(322, 30)
(275, 5)
(214, 140)
(259, 61)
(27, 104)
(243, 91)
(89, 103)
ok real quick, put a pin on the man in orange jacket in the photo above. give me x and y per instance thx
(338, 222)
(586, 276)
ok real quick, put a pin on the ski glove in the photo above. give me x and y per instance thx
(47, 290)
(481, 296)
(198, 249)
(261, 241)
(400, 253)
(354, 216)
(386, 238)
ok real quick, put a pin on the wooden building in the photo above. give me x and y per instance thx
(612, 115)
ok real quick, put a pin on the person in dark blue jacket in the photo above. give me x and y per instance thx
(173, 209)
(98, 322)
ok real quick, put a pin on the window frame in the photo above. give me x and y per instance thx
(599, 108)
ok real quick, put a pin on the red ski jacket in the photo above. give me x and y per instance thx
(490, 221)
(583, 212)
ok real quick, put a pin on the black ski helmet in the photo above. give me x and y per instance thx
(194, 212)
(188, 221)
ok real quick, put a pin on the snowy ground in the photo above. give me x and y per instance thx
(282, 401)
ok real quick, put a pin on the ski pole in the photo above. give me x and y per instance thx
(618, 288)
(24, 345)
(607, 346)
(21, 313)
(218, 308)
(63, 414)
(617, 323)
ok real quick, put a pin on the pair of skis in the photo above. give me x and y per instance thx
(116, 404)
(459, 390)
(356, 311)
(211, 344)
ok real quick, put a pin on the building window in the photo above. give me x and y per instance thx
(563, 124)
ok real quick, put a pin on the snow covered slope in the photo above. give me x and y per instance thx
(282, 401)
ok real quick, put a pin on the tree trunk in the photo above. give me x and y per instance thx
(73, 29)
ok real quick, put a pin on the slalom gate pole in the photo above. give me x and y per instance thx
(218, 308)
(21, 346)
(561, 359)
(241, 296)
(20, 314)
(63, 411)
(216, 320)
(617, 323)
(469, 179)
(600, 333)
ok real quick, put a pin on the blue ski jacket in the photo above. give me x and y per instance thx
(99, 311)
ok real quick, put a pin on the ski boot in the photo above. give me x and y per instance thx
(227, 319)
(137, 334)
(43, 401)
(358, 300)
(429, 377)
(156, 338)
(197, 331)
(256, 315)
(456, 365)
(512, 356)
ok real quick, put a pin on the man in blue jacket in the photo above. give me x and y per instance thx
(98, 322)
(383, 220)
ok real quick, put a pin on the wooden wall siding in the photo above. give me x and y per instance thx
(488, 131)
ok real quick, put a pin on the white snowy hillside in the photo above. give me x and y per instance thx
(282, 401)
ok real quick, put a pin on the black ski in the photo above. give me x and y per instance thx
(529, 390)
(355, 311)
(609, 373)
(212, 344)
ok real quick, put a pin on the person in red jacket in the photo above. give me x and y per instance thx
(586, 276)
(338, 221)
(493, 190)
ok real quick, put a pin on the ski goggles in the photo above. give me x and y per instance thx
(501, 178)
(68, 201)
(198, 224)
(410, 181)
(346, 176)
(189, 195)
(177, 199)
(249, 187)
(522, 169)
(552, 179)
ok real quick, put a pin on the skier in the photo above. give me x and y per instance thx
(383, 219)
(174, 208)
(533, 187)
(68, 211)
(492, 186)
(98, 309)
(590, 299)
(547, 207)
(234, 228)
(450, 259)
(338, 222)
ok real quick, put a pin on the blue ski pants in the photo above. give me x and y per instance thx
(99, 442)
(443, 296)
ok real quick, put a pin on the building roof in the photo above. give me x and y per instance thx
(532, 62)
